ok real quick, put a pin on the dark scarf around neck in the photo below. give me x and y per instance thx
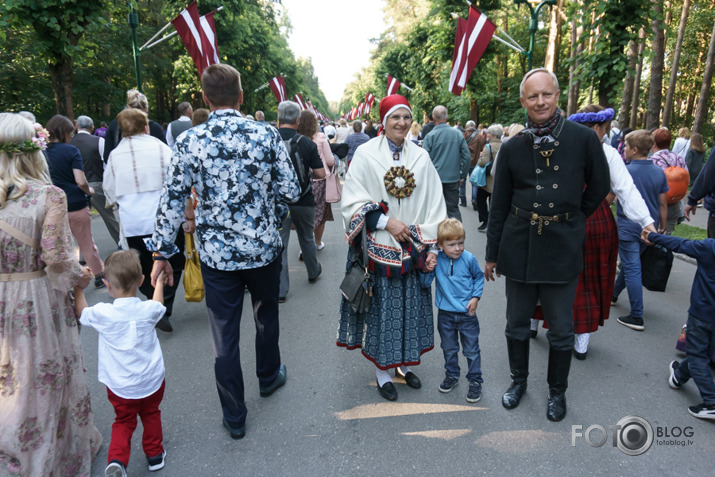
(545, 129)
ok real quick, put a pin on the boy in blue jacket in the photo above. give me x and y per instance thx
(459, 287)
(700, 336)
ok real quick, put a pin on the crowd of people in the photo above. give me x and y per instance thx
(543, 193)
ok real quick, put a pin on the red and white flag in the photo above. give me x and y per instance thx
(198, 35)
(298, 98)
(360, 109)
(392, 85)
(278, 86)
(369, 101)
(473, 36)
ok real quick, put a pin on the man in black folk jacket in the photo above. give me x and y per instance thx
(548, 179)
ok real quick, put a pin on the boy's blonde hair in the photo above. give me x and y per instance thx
(642, 140)
(123, 269)
(450, 229)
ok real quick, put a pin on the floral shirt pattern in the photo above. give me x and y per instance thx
(241, 172)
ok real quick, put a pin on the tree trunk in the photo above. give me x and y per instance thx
(637, 83)
(574, 82)
(62, 82)
(668, 111)
(551, 62)
(474, 110)
(705, 89)
(655, 96)
(689, 104)
(627, 98)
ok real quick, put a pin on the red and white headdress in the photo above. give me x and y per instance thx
(389, 104)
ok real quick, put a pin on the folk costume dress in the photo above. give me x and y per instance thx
(399, 327)
(46, 425)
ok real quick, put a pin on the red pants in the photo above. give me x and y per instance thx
(126, 411)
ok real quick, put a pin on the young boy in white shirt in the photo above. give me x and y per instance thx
(130, 362)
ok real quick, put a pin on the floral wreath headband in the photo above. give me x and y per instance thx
(599, 117)
(37, 143)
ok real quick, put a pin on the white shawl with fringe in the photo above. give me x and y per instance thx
(365, 183)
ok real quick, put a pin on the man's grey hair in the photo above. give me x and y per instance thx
(532, 73)
(28, 115)
(495, 130)
(439, 113)
(470, 124)
(260, 116)
(85, 122)
(184, 108)
(288, 112)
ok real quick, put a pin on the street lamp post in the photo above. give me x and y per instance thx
(133, 24)
(534, 25)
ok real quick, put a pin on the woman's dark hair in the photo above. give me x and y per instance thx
(59, 127)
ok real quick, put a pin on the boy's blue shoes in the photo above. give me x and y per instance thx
(702, 411)
(673, 381)
(278, 382)
(449, 383)
(157, 462)
(235, 432)
(475, 391)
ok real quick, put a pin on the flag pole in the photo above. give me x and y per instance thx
(144, 46)
(514, 45)
(402, 84)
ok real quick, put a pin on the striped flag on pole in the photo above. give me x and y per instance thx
(278, 86)
(473, 36)
(298, 98)
(392, 85)
(369, 101)
(198, 35)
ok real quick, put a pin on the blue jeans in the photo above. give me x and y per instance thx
(630, 276)
(452, 327)
(700, 339)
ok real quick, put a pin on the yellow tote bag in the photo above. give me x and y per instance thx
(193, 281)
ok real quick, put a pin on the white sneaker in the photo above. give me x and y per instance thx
(321, 246)
(156, 463)
(701, 411)
(115, 469)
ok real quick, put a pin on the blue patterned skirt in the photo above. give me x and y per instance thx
(399, 326)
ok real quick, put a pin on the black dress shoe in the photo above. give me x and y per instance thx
(388, 391)
(580, 356)
(533, 333)
(512, 396)
(556, 410)
(164, 324)
(410, 378)
(235, 433)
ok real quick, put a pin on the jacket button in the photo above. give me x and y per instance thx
(556, 168)
(538, 187)
(556, 186)
(538, 171)
(536, 204)
(551, 205)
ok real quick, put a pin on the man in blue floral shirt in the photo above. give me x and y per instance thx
(241, 172)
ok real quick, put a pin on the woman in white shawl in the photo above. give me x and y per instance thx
(394, 191)
(133, 179)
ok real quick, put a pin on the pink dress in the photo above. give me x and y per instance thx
(46, 425)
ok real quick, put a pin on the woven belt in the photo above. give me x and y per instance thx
(541, 220)
(18, 277)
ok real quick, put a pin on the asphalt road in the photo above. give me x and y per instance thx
(330, 420)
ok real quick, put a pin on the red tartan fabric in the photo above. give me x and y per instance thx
(595, 284)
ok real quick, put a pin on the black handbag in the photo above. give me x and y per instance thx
(356, 287)
(656, 262)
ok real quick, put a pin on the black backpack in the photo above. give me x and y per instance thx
(301, 170)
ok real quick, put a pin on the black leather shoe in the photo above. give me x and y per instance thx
(410, 378)
(278, 382)
(235, 433)
(164, 324)
(580, 356)
(315, 278)
(512, 396)
(556, 409)
(388, 391)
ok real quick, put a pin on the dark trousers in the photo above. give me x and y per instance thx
(177, 261)
(125, 422)
(711, 226)
(451, 198)
(700, 340)
(482, 205)
(556, 303)
(224, 300)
